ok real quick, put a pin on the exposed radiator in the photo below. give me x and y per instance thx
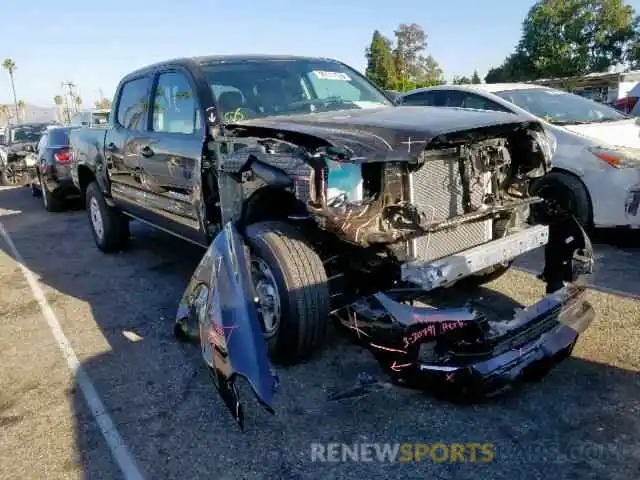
(436, 189)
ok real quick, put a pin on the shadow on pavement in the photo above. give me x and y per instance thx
(617, 257)
(160, 398)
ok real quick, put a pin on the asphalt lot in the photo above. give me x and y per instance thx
(117, 311)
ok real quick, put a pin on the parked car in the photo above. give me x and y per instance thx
(90, 118)
(19, 140)
(51, 175)
(312, 194)
(596, 165)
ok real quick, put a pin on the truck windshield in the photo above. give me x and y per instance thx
(27, 133)
(263, 88)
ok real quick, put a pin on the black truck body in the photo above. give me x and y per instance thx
(316, 196)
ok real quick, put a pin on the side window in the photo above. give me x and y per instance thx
(133, 104)
(472, 100)
(174, 106)
(423, 99)
(451, 98)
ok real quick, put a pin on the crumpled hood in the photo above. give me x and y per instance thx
(386, 129)
(625, 133)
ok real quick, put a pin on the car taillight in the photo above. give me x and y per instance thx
(61, 157)
(626, 104)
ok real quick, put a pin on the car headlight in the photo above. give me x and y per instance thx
(618, 157)
(548, 144)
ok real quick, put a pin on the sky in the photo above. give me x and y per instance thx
(93, 43)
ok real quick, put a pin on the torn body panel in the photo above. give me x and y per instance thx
(218, 309)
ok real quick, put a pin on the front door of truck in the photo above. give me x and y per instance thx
(122, 142)
(170, 157)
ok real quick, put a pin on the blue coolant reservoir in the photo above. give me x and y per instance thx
(344, 179)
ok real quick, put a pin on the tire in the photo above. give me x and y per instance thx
(50, 202)
(110, 228)
(35, 190)
(301, 289)
(568, 192)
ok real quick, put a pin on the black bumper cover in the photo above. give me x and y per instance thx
(459, 352)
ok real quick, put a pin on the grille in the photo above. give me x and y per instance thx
(437, 190)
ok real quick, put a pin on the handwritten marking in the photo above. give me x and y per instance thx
(387, 349)
(397, 367)
(423, 333)
(355, 325)
(452, 325)
(408, 143)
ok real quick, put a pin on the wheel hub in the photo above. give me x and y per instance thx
(267, 293)
(96, 218)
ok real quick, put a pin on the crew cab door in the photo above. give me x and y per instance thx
(170, 156)
(122, 142)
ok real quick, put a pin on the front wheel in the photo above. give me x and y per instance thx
(292, 290)
(109, 227)
(564, 193)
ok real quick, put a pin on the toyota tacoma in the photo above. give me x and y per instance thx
(316, 197)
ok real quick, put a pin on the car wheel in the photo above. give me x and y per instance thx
(109, 227)
(565, 193)
(36, 191)
(49, 200)
(292, 290)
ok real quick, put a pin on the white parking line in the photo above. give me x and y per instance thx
(114, 441)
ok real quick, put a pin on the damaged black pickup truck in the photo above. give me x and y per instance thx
(317, 198)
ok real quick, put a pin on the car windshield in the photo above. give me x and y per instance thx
(561, 108)
(100, 118)
(264, 88)
(27, 133)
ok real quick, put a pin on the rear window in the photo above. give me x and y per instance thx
(58, 137)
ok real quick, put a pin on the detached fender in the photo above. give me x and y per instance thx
(219, 304)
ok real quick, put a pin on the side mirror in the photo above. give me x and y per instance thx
(394, 96)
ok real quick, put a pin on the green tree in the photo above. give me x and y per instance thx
(103, 104)
(461, 80)
(21, 108)
(571, 37)
(10, 66)
(475, 78)
(380, 66)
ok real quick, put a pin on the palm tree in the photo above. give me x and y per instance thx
(22, 109)
(4, 112)
(10, 66)
(58, 101)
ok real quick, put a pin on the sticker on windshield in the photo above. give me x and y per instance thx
(324, 75)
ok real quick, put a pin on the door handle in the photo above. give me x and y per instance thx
(146, 151)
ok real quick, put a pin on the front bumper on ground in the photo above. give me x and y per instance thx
(461, 351)
(457, 352)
